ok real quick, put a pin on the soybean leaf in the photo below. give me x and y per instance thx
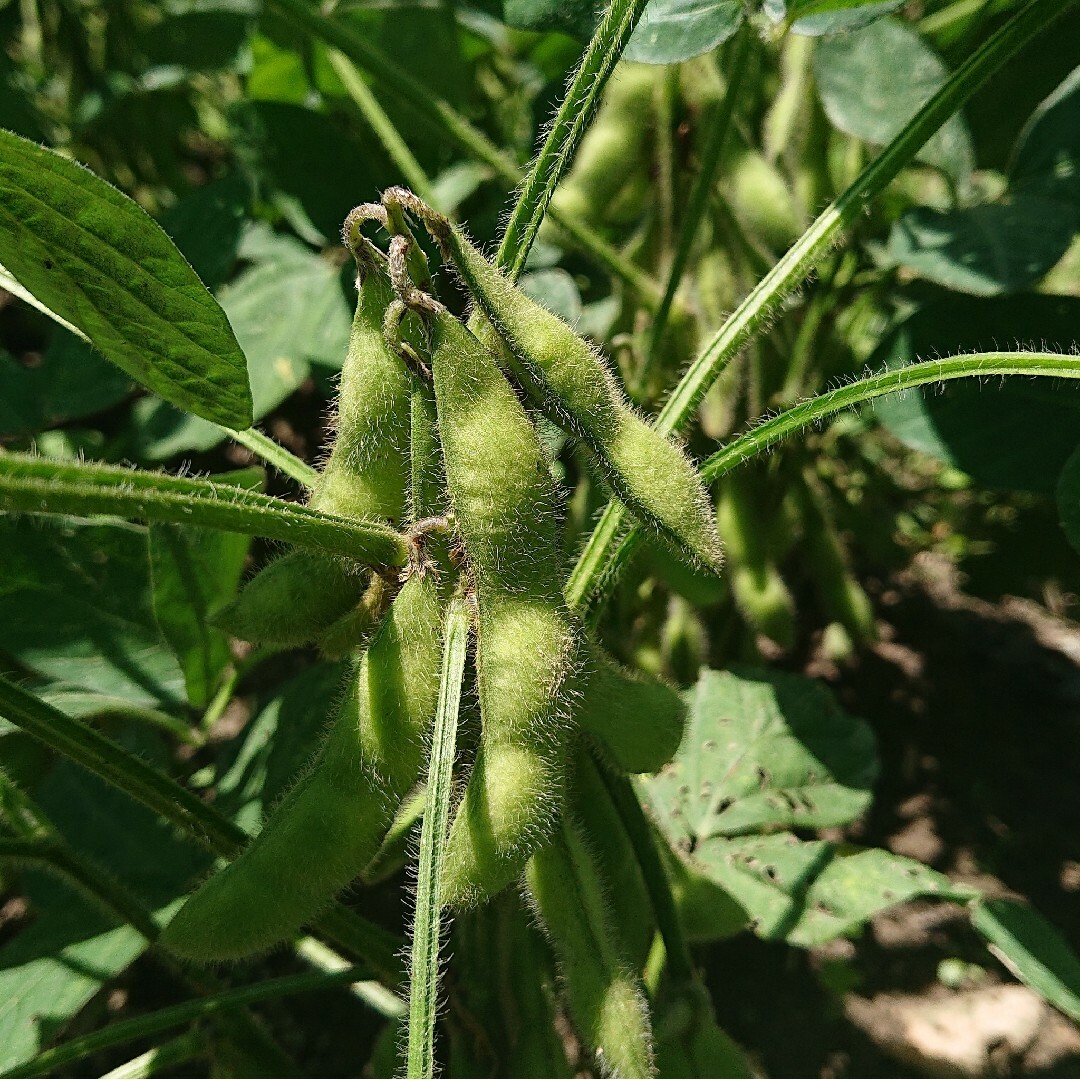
(50, 970)
(276, 745)
(1068, 498)
(67, 382)
(276, 73)
(576, 17)
(75, 606)
(871, 82)
(1033, 950)
(198, 40)
(809, 892)
(195, 572)
(763, 750)
(1014, 433)
(1047, 154)
(93, 256)
(307, 159)
(993, 248)
(814, 18)
(671, 31)
(207, 225)
(287, 311)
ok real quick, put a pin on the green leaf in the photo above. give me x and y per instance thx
(98, 260)
(862, 94)
(763, 750)
(810, 892)
(50, 970)
(814, 18)
(994, 248)
(1068, 498)
(195, 40)
(671, 31)
(195, 572)
(288, 311)
(1033, 950)
(207, 225)
(1047, 154)
(75, 606)
(68, 382)
(1013, 433)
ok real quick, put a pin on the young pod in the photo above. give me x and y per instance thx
(605, 998)
(367, 473)
(574, 388)
(760, 593)
(638, 719)
(326, 830)
(528, 650)
(293, 599)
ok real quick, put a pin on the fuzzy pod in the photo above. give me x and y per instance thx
(605, 999)
(367, 474)
(630, 905)
(528, 646)
(638, 719)
(355, 629)
(763, 201)
(293, 599)
(328, 828)
(571, 384)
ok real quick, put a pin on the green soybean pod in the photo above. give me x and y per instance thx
(293, 599)
(605, 998)
(760, 593)
(327, 829)
(575, 389)
(367, 473)
(638, 719)
(528, 649)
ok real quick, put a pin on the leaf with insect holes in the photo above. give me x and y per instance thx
(763, 750)
(97, 259)
(809, 892)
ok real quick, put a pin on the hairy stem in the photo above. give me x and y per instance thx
(767, 298)
(39, 485)
(427, 932)
(571, 121)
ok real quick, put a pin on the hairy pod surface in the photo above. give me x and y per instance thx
(572, 385)
(605, 998)
(638, 719)
(293, 600)
(368, 471)
(330, 825)
(528, 648)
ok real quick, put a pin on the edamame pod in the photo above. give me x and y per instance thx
(367, 473)
(528, 649)
(605, 998)
(575, 389)
(293, 600)
(638, 719)
(331, 824)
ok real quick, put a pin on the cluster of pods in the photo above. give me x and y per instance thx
(433, 437)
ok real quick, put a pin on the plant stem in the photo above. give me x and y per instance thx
(275, 454)
(39, 485)
(806, 413)
(178, 1051)
(159, 793)
(427, 933)
(767, 298)
(571, 121)
(142, 1026)
(699, 197)
(399, 82)
(399, 153)
(637, 828)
